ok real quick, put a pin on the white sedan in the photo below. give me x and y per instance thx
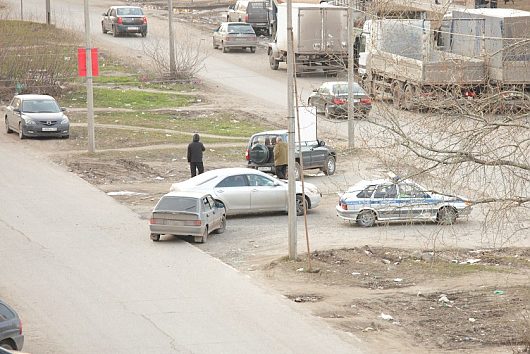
(247, 191)
(398, 200)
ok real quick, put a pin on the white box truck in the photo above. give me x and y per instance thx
(320, 38)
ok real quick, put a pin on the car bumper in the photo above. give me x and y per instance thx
(346, 214)
(315, 199)
(343, 110)
(59, 131)
(240, 44)
(19, 341)
(131, 28)
(267, 168)
(176, 230)
(464, 211)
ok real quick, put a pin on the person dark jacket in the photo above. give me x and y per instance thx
(195, 149)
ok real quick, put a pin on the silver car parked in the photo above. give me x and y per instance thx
(36, 116)
(398, 200)
(248, 191)
(235, 35)
(194, 214)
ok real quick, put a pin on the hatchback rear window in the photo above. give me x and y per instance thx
(247, 29)
(257, 5)
(177, 204)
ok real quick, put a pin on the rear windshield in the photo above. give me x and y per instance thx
(130, 11)
(257, 5)
(240, 29)
(42, 106)
(342, 89)
(177, 204)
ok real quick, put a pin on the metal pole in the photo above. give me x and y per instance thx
(291, 136)
(351, 111)
(48, 12)
(21, 11)
(89, 89)
(172, 64)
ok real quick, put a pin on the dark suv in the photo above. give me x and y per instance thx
(254, 12)
(11, 336)
(315, 154)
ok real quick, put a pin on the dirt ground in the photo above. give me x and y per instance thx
(392, 300)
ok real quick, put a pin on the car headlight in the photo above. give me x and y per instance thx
(65, 120)
(29, 121)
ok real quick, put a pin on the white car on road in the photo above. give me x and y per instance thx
(248, 191)
(398, 200)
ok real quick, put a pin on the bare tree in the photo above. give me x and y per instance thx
(190, 54)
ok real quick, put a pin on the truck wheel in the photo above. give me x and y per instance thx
(397, 95)
(273, 62)
(409, 97)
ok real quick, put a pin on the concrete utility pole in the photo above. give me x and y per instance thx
(48, 12)
(291, 136)
(172, 64)
(89, 89)
(21, 11)
(351, 111)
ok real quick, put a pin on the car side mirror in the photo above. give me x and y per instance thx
(321, 143)
(315, 90)
(219, 204)
(16, 110)
(231, 7)
(104, 14)
(63, 109)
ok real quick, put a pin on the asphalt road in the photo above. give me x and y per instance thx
(84, 276)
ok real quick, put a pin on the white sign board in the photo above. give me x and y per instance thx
(307, 120)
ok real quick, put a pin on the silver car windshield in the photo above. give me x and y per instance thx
(129, 11)
(177, 204)
(245, 29)
(40, 106)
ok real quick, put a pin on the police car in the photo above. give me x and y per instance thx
(398, 200)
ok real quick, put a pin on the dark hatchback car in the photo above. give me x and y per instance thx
(36, 116)
(123, 20)
(332, 99)
(11, 336)
(315, 154)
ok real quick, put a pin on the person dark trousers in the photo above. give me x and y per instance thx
(280, 158)
(195, 149)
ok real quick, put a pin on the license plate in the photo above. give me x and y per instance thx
(132, 28)
(49, 129)
(265, 168)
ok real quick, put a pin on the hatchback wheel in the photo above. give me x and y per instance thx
(20, 132)
(274, 64)
(203, 238)
(222, 228)
(366, 218)
(155, 237)
(253, 49)
(114, 31)
(103, 28)
(144, 34)
(8, 130)
(7, 345)
(223, 48)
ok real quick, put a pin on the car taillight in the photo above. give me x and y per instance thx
(120, 20)
(247, 155)
(193, 223)
(339, 100)
(246, 18)
(344, 206)
(145, 20)
(152, 221)
(366, 100)
(470, 94)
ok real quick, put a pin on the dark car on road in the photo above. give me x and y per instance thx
(331, 98)
(11, 336)
(36, 116)
(315, 154)
(123, 20)
(256, 13)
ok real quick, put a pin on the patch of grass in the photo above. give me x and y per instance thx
(128, 80)
(209, 122)
(125, 98)
(448, 269)
(106, 138)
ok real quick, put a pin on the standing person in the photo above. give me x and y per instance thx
(195, 149)
(280, 158)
